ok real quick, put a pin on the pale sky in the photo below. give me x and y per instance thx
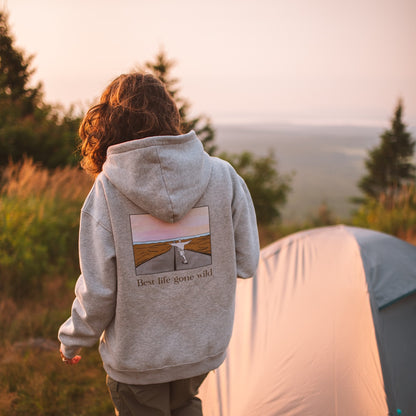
(146, 228)
(237, 60)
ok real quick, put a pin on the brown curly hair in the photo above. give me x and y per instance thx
(133, 106)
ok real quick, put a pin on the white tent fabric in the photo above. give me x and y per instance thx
(311, 328)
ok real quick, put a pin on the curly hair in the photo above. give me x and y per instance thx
(133, 106)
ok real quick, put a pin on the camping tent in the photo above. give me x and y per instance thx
(327, 327)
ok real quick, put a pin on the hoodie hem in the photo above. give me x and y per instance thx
(167, 374)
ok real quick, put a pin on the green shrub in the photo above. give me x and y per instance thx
(395, 216)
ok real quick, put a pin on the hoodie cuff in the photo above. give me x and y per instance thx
(69, 352)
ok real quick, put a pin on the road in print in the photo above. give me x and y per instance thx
(163, 247)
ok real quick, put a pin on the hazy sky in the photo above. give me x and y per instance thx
(146, 228)
(264, 60)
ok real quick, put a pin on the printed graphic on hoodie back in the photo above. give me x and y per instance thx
(163, 247)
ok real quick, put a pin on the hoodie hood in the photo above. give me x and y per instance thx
(163, 175)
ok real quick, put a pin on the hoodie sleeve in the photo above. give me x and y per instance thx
(94, 305)
(245, 232)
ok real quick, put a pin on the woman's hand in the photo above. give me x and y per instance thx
(70, 361)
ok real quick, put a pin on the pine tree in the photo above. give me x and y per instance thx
(28, 126)
(389, 165)
(15, 72)
(161, 68)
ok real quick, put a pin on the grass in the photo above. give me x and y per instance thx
(33, 380)
(36, 383)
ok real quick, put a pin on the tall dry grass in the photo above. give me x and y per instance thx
(30, 180)
(39, 219)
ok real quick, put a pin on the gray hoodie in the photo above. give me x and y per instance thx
(165, 231)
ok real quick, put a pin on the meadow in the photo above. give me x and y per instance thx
(39, 220)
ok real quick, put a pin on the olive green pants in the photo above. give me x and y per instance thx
(176, 398)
